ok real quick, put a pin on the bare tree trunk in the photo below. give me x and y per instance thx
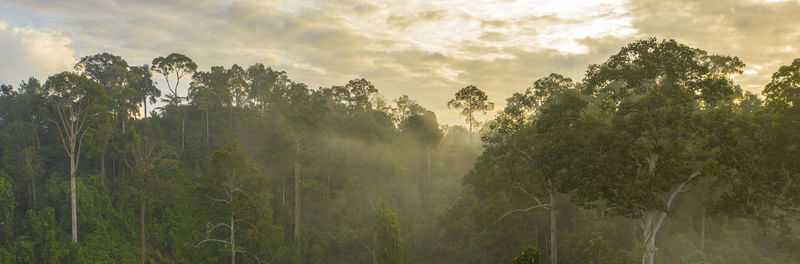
(297, 201)
(141, 225)
(553, 241)
(145, 107)
(73, 202)
(233, 242)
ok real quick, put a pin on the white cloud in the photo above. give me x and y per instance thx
(33, 52)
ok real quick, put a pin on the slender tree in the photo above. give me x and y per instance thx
(145, 156)
(73, 100)
(471, 100)
(180, 66)
(235, 192)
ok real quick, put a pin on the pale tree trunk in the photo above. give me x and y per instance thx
(71, 128)
(553, 243)
(141, 226)
(73, 201)
(649, 230)
(652, 221)
(145, 107)
(233, 242)
(297, 200)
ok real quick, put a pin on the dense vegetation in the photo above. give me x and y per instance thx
(655, 156)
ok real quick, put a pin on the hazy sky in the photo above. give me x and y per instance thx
(426, 49)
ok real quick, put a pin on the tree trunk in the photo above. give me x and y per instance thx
(145, 107)
(703, 231)
(73, 200)
(233, 242)
(297, 201)
(553, 241)
(33, 191)
(429, 162)
(649, 230)
(103, 167)
(141, 225)
(183, 132)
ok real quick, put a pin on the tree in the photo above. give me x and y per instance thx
(405, 108)
(424, 129)
(783, 91)
(519, 138)
(760, 162)
(144, 84)
(74, 99)
(178, 65)
(265, 85)
(387, 237)
(7, 205)
(236, 190)
(302, 111)
(112, 72)
(174, 64)
(657, 99)
(471, 100)
(146, 155)
(529, 255)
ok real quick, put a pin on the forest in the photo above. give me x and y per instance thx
(655, 156)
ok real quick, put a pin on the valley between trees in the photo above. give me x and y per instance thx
(655, 156)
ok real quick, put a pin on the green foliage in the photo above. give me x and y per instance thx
(529, 255)
(471, 100)
(387, 237)
(7, 205)
(247, 132)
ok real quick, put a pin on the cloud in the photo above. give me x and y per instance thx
(426, 49)
(758, 32)
(29, 52)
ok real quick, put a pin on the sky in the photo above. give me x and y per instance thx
(425, 49)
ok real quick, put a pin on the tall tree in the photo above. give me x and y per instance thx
(405, 107)
(143, 83)
(658, 98)
(522, 134)
(113, 73)
(145, 156)
(236, 191)
(178, 65)
(471, 100)
(424, 129)
(175, 64)
(73, 100)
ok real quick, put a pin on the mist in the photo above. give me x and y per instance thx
(651, 150)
